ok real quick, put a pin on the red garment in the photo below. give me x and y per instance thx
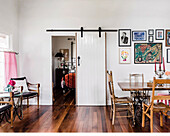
(70, 80)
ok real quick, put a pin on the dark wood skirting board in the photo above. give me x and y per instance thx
(71, 118)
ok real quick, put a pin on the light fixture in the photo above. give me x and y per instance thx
(59, 54)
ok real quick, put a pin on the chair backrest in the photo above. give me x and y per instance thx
(21, 81)
(157, 82)
(19, 78)
(137, 78)
(110, 82)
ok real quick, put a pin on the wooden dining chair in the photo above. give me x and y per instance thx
(7, 105)
(139, 79)
(119, 100)
(156, 107)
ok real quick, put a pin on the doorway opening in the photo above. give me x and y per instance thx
(64, 70)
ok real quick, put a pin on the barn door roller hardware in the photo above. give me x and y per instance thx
(82, 30)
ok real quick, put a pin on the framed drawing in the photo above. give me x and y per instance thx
(145, 53)
(168, 56)
(151, 32)
(159, 34)
(167, 38)
(150, 38)
(124, 37)
(65, 52)
(139, 35)
(124, 55)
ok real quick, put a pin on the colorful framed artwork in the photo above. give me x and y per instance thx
(139, 35)
(151, 32)
(65, 52)
(146, 53)
(159, 34)
(124, 56)
(150, 38)
(168, 56)
(167, 38)
(124, 37)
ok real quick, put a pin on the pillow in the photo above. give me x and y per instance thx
(22, 83)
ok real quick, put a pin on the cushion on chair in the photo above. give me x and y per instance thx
(21, 82)
(4, 107)
(28, 94)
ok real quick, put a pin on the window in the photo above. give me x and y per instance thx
(4, 45)
(4, 41)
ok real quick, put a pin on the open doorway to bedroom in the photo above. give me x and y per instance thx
(64, 70)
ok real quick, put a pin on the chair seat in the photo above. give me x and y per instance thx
(160, 107)
(4, 107)
(28, 94)
(123, 100)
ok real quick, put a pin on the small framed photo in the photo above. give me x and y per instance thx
(159, 34)
(168, 56)
(125, 55)
(124, 37)
(167, 38)
(150, 38)
(65, 52)
(139, 35)
(151, 32)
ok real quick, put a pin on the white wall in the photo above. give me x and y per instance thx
(9, 26)
(9, 21)
(38, 15)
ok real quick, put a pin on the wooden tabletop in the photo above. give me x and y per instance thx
(127, 86)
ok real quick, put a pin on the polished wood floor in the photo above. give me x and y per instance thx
(67, 117)
(76, 119)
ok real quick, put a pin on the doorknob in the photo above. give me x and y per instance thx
(78, 60)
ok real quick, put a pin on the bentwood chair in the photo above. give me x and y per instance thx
(7, 106)
(29, 90)
(156, 107)
(115, 101)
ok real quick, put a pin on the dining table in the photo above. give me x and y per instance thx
(138, 87)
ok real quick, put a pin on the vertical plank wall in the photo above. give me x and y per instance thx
(91, 72)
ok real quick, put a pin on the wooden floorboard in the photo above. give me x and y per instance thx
(71, 118)
(64, 116)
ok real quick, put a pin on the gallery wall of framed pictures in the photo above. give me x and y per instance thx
(148, 45)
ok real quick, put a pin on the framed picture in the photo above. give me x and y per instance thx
(159, 34)
(167, 38)
(146, 53)
(66, 54)
(124, 55)
(124, 37)
(151, 32)
(168, 55)
(150, 38)
(139, 35)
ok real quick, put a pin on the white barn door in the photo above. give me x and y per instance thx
(91, 71)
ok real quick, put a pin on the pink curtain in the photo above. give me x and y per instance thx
(10, 66)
